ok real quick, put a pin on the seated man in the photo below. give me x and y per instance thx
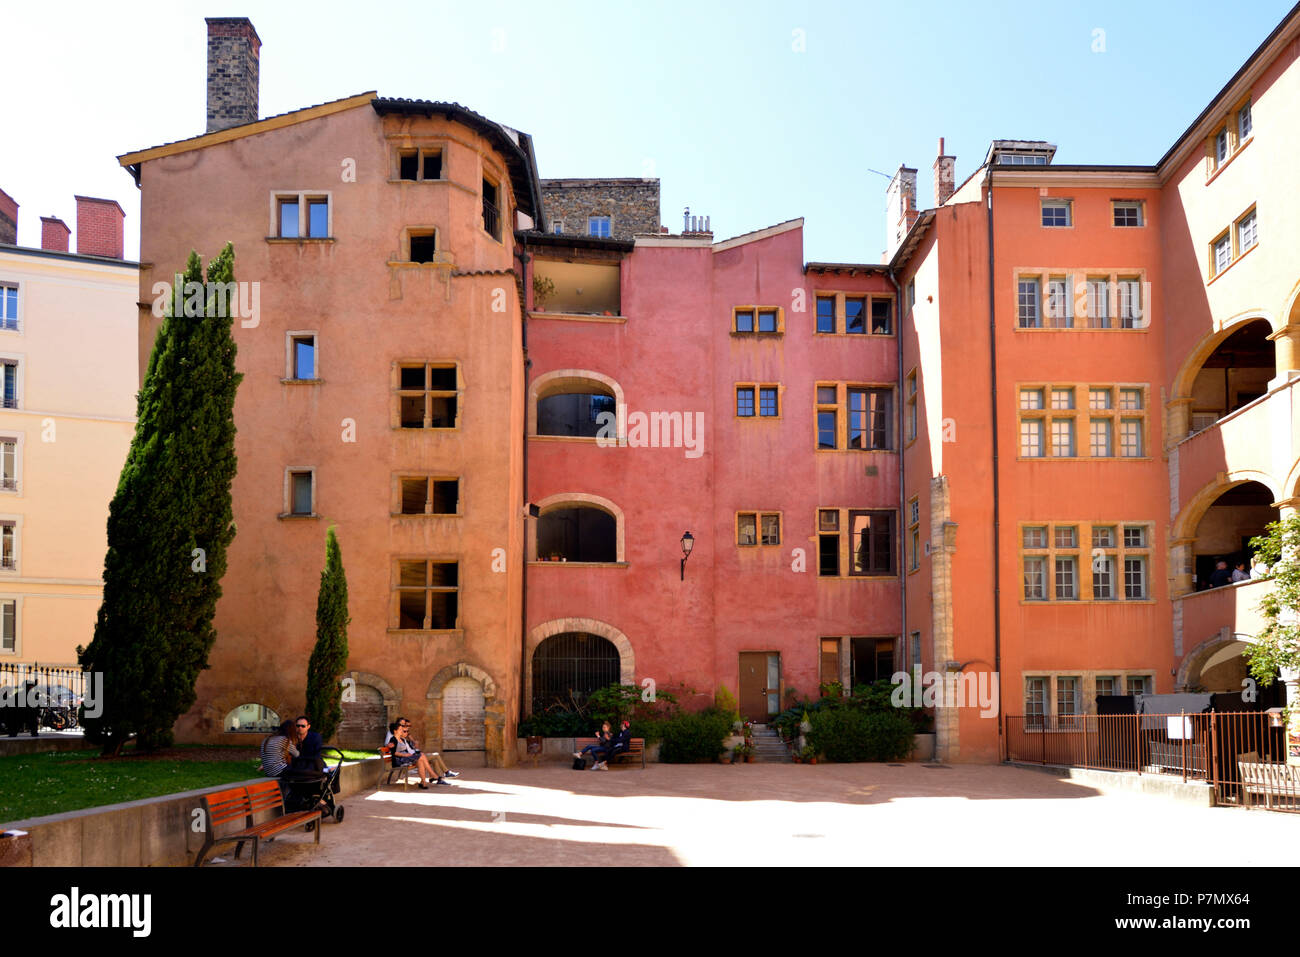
(309, 746)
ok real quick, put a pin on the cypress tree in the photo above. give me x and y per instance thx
(171, 519)
(329, 659)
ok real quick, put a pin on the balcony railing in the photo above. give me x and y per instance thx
(491, 220)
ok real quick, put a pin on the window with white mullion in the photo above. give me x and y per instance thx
(1027, 304)
(1098, 303)
(1059, 310)
(8, 465)
(1101, 443)
(1031, 438)
(1067, 577)
(1130, 438)
(1135, 577)
(8, 307)
(1247, 232)
(1063, 438)
(1130, 303)
(1035, 701)
(1222, 253)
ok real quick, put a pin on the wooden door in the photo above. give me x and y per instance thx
(463, 713)
(365, 720)
(753, 685)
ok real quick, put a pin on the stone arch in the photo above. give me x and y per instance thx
(1291, 486)
(560, 380)
(592, 626)
(1205, 650)
(392, 701)
(219, 705)
(500, 752)
(562, 499)
(1189, 517)
(1202, 350)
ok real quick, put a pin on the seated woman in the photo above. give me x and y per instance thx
(602, 742)
(279, 750)
(405, 753)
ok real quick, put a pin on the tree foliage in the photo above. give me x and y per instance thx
(170, 521)
(1277, 647)
(329, 659)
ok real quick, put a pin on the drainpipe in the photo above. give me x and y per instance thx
(525, 284)
(997, 505)
(902, 488)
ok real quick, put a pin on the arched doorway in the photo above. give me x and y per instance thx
(568, 667)
(464, 710)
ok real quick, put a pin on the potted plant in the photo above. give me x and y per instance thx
(809, 754)
(745, 751)
(543, 289)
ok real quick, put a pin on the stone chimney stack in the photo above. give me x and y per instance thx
(54, 234)
(945, 176)
(99, 227)
(8, 219)
(901, 211)
(233, 56)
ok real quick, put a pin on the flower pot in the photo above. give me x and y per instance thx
(749, 759)
(812, 760)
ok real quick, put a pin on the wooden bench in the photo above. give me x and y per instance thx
(386, 754)
(1258, 777)
(636, 750)
(223, 807)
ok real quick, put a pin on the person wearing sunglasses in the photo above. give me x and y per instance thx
(309, 745)
(431, 767)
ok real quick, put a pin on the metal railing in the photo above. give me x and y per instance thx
(58, 681)
(491, 219)
(1241, 754)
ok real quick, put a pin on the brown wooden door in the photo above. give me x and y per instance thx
(462, 715)
(753, 685)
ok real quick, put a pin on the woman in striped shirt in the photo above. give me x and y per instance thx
(278, 751)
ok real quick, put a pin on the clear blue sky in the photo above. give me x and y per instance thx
(716, 99)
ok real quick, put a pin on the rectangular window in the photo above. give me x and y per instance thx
(8, 546)
(427, 594)
(747, 528)
(318, 218)
(427, 396)
(1221, 146)
(1130, 438)
(408, 165)
(599, 226)
(300, 493)
(767, 320)
(745, 401)
(1098, 299)
(1034, 536)
(9, 464)
(431, 164)
(826, 314)
(1031, 398)
(1130, 304)
(1059, 312)
(1135, 578)
(8, 307)
(1031, 438)
(827, 416)
(1027, 304)
(1056, 212)
(8, 625)
(1127, 213)
(911, 406)
(1099, 399)
(916, 648)
(828, 555)
(770, 529)
(491, 208)
(870, 418)
(1135, 536)
(1065, 536)
(288, 219)
(744, 320)
(1137, 684)
(422, 495)
(767, 403)
(1062, 398)
(1035, 578)
(911, 294)
(828, 520)
(1243, 123)
(1222, 253)
(1130, 399)
(1068, 695)
(871, 543)
(1107, 685)
(1247, 233)
(1103, 536)
(829, 668)
(1063, 438)
(1067, 576)
(9, 380)
(1103, 578)
(1101, 441)
(1035, 702)
(882, 316)
(557, 227)
(855, 315)
(304, 357)
(423, 245)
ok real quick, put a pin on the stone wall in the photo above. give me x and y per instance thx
(631, 204)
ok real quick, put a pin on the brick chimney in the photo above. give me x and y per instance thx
(99, 227)
(54, 234)
(900, 211)
(8, 219)
(233, 56)
(945, 176)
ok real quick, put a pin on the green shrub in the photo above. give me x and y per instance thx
(725, 702)
(855, 734)
(691, 738)
(559, 724)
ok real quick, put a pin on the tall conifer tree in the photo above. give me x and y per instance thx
(171, 520)
(329, 659)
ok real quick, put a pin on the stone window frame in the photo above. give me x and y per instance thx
(843, 410)
(303, 197)
(1082, 411)
(18, 360)
(1054, 203)
(20, 297)
(395, 588)
(396, 390)
(419, 149)
(17, 650)
(758, 388)
(1229, 127)
(1078, 317)
(19, 439)
(16, 522)
(395, 494)
(1087, 688)
(1086, 556)
(600, 216)
(911, 420)
(290, 338)
(758, 515)
(840, 296)
(914, 533)
(1139, 205)
(287, 512)
(756, 310)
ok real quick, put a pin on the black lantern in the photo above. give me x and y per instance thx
(688, 542)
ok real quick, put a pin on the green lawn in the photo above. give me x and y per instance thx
(32, 785)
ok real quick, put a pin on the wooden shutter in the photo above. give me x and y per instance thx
(462, 716)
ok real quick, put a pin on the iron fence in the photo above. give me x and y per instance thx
(1241, 754)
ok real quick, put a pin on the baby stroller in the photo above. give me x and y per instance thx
(307, 788)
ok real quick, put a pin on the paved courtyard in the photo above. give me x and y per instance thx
(784, 814)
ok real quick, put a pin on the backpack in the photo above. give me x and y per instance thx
(580, 764)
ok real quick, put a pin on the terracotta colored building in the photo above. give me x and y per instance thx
(67, 412)
(726, 390)
(379, 336)
(1102, 362)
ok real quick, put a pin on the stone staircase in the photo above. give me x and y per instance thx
(768, 746)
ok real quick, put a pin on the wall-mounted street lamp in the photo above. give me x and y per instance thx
(688, 542)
